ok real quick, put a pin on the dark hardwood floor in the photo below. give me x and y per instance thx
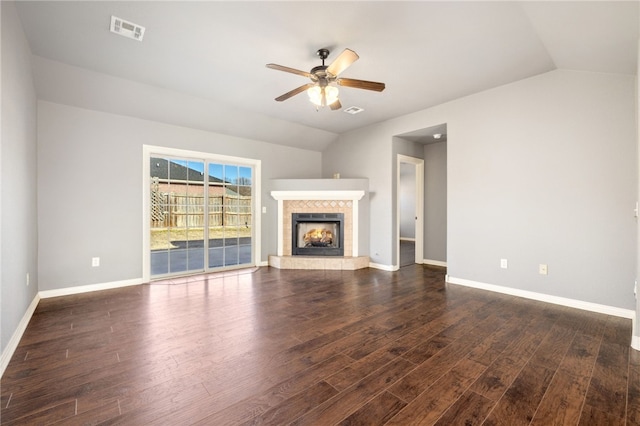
(280, 347)
(407, 253)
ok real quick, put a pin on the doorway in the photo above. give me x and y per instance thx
(431, 190)
(410, 182)
(200, 213)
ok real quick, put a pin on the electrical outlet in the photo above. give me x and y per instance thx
(542, 269)
(27, 279)
(95, 261)
(504, 264)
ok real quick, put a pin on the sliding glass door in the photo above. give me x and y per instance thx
(201, 216)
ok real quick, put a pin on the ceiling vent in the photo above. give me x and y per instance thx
(126, 28)
(353, 110)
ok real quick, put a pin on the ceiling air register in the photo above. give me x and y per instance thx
(126, 28)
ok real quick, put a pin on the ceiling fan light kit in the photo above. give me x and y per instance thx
(323, 90)
(322, 96)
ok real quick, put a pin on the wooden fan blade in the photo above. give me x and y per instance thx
(342, 62)
(287, 69)
(336, 105)
(294, 92)
(361, 84)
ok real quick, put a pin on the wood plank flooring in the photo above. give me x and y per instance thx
(407, 253)
(277, 347)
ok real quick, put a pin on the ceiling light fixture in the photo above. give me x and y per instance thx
(323, 90)
(322, 96)
(437, 136)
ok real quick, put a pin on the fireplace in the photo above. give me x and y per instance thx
(317, 234)
(335, 202)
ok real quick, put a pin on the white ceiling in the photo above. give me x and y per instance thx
(427, 53)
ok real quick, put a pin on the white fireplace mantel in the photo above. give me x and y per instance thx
(338, 195)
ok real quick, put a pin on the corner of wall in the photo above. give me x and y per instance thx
(11, 347)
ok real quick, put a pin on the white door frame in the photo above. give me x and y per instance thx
(149, 150)
(419, 202)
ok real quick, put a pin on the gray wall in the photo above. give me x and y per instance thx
(90, 188)
(69, 85)
(364, 154)
(435, 201)
(18, 223)
(543, 170)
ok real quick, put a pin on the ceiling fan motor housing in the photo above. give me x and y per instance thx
(320, 75)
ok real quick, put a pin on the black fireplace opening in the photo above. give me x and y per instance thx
(317, 234)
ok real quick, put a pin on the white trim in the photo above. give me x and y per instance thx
(264, 263)
(11, 347)
(434, 262)
(280, 227)
(407, 239)
(318, 195)
(419, 204)
(390, 268)
(257, 212)
(571, 303)
(146, 213)
(45, 294)
(355, 220)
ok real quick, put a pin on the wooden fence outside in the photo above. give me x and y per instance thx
(169, 210)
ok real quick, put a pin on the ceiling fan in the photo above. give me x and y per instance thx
(323, 88)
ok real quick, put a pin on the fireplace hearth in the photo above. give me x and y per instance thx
(317, 234)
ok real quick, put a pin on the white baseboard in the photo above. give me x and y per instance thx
(393, 268)
(434, 262)
(571, 303)
(11, 347)
(45, 294)
(389, 268)
(264, 263)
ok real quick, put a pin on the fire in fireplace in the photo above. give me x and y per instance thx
(317, 234)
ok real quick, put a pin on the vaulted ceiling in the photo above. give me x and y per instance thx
(212, 55)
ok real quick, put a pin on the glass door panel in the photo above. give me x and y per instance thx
(227, 225)
(177, 199)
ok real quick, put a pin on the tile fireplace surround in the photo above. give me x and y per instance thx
(345, 202)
